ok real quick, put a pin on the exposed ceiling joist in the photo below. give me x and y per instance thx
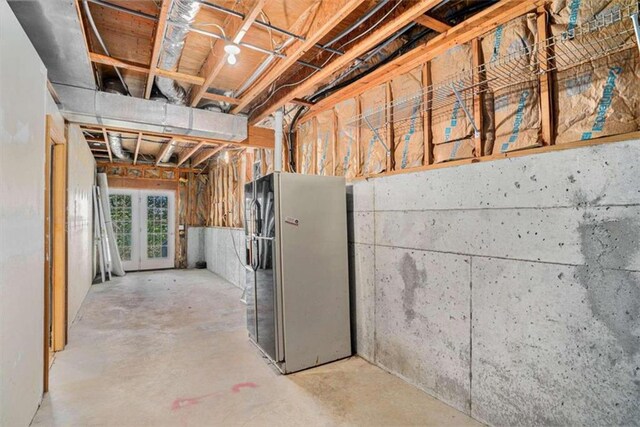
(157, 45)
(376, 37)
(141, 68)
(221, 98)
(135, 154)
(106, 141)
(327, 16)
(218, 56)
(206, 154)
(464, 32)
(432, 23)
(183, 157)
(164, 150)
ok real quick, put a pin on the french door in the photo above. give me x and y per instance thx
(144, 226)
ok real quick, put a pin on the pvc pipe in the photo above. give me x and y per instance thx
(277, 155)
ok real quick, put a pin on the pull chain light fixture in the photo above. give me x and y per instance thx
(232, 50)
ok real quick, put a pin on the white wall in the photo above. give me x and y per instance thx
(80, 179)
(22, 141)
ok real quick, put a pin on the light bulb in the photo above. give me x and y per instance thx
(232, 50)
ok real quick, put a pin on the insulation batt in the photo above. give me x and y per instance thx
(516, 107)
(407, 119)
(601, 97)
(374, 154)
(306, 142)
(325, 134)
(451, 129)
(346, 150)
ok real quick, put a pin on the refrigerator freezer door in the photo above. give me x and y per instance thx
(314, 274)
(261, 280)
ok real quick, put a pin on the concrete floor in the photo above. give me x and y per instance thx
(170, 348)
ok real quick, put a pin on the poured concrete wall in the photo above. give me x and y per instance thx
(508, 289)
(223, 251)
(22, 161)
(81, 169)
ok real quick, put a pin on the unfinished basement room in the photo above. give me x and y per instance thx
(319, 213)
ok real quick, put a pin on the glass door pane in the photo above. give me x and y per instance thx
(121, 217)
(157, 226)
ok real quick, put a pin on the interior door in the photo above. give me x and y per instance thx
(144, 226)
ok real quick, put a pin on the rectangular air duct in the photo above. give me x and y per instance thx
(91, 107)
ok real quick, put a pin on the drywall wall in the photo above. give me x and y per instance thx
(81, 168)
(22, 142)
(508, 289)
(223, 249)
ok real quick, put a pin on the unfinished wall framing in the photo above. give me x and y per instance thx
(534, 80)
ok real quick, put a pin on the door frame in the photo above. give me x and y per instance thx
(55, 245)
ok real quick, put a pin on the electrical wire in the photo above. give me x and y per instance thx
(371, 28)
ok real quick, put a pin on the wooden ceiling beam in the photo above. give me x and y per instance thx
(164, 150)
(184, 157)
(432, 23)
(204, 155)
(386, 30)
(477, 25)
(302, 102)
(328, 15)
(141, 68)
(106, 141)
(218, 56)
(157, 45)
(221, 98)
(135, 154)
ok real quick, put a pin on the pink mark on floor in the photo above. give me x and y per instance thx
(236, 388)
(180, 403)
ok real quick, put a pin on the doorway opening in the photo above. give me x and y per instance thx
(144, 227)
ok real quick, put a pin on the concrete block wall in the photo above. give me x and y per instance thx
(508, 289)
(220, 247)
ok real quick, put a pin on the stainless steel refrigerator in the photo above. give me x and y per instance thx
(297, 289)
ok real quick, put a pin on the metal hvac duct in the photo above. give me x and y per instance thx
(115, 138)
(183, 13)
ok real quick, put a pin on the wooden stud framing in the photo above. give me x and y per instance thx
(157, 44)
(387, 29)
(464, 32)
(391, 155)
(478, 98)
(546, 94)
(135, 155)
(426, 114)
(358, 170)
(218, 56)
(327, 15)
